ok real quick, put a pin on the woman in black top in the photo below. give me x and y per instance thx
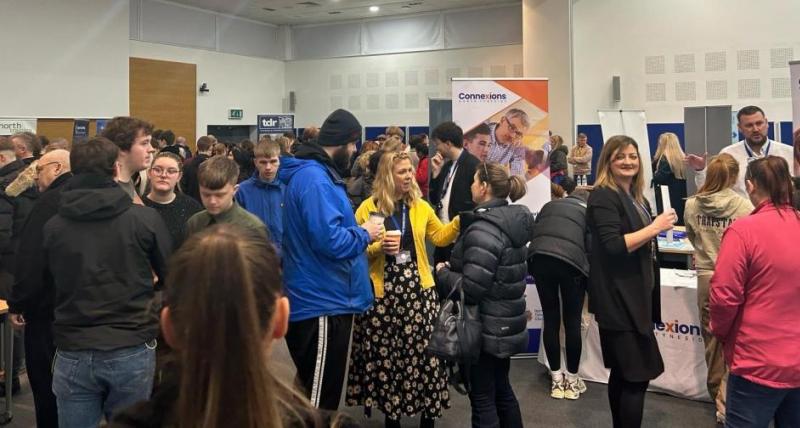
(175, 207)
(623, 277)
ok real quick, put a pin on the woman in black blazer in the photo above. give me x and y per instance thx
(623, 278)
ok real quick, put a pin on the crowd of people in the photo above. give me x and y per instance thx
(150, 281)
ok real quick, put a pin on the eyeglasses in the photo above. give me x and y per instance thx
(157, 170)
(514, 130)
(40, 168)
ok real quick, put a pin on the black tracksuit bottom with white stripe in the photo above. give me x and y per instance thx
(319, 348)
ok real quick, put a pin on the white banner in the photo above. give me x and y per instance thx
(794, 70)
(10, 126)
(632, 123)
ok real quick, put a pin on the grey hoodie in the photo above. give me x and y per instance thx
(707, 217)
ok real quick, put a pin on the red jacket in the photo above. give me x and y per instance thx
(755, 297)
(422, 176)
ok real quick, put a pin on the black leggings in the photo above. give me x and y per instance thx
(626, 400)
(553, 275)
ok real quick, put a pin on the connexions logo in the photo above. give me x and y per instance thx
(677, 330)
(482, 96)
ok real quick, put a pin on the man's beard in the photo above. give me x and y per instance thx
(752, 143)
(341, 159)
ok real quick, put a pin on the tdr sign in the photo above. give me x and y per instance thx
(275, 123)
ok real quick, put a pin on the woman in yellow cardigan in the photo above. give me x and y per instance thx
(389, 369)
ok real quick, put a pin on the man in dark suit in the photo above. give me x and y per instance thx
(452, 173)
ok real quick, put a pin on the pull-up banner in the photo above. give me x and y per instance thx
(794, 70)
(10, 126)
(506, 121)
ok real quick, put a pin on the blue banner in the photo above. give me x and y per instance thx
(275, 123)
(80, 130)
(101, 125)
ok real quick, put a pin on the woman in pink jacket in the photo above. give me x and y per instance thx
(755, 296)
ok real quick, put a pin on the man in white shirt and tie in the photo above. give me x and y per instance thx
(753, 124)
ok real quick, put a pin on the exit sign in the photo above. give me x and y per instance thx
(235, 114)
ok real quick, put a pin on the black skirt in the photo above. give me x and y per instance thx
(635, 356)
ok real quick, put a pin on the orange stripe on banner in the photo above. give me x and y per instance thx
(535, 91)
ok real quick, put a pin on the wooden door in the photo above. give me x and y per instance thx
(165, 94)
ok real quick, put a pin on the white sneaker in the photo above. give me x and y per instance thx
(572, 389)
(720, 418)
(581, 386)
(557, 386)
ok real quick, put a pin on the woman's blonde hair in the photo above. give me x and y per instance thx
(721, 173)
(670, 148)
(222, 291)
(383, 190)
(604, 176)
(555, 141)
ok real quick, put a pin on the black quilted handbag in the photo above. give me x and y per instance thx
(456, 336)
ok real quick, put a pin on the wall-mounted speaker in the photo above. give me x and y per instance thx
(292, 101)
(616, 89)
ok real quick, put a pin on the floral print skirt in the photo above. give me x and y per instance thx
(389, 369)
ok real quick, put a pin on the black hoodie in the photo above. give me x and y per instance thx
(489, 257)
(102, 252)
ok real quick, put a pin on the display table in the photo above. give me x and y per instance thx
(679, 338)
(680, 248)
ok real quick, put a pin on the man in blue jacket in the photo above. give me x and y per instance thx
(262, 194)
(324, 258)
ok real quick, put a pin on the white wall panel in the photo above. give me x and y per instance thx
(176, 25)
(416, 33)
(249, 38)
(483, 27)
(326, 41)
(135, 10)
(64, 59)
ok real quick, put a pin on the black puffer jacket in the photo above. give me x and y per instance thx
(13, 213)
(560, 232)
(490, 258)
(558, 158)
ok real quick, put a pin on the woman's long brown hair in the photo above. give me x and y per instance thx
(772, 178)
(222, 289)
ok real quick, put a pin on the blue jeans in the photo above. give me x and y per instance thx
(753, 406)
(91, 384)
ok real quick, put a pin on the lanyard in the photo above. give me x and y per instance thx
(401, 226)
(449, 178)
(752, 156)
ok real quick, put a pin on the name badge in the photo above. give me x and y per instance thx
(402, 257)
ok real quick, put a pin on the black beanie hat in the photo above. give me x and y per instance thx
(340, 128)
